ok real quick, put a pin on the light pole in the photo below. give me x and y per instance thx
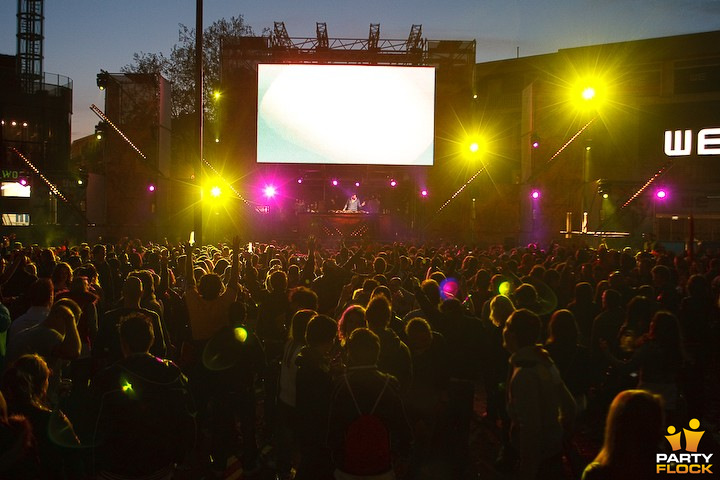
(197, 209)
(659, 195)
(473, 223)
(585, 188)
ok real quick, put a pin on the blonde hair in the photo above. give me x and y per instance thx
(501, 307)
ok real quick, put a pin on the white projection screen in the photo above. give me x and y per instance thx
(345, 114)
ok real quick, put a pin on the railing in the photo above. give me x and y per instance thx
(57, 80)
(54, 84)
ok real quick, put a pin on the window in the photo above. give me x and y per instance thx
(16, 219)
(14, 189)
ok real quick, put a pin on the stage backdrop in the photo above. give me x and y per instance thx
(345, 114)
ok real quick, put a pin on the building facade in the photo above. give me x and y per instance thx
(639, 157)
(40, 195)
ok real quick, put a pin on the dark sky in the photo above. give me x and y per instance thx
(84, 36)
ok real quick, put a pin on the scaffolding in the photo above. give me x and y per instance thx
(322, 49)
(245, 53)
(30, 20)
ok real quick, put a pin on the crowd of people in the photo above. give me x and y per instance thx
(132, 360)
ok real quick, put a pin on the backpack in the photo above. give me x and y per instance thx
(367, 441)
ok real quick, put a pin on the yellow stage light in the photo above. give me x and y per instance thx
(215, 191)
(588, 93)
(474, 145)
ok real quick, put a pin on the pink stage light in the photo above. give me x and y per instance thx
(449, 288)
(424, 193)
(334, 183)
(393, 183)
(151, 188)
(357, 184)
(535, 194)
(300, 180)
(535, 140)
(661, 194)
(269, 191)
(23, 182)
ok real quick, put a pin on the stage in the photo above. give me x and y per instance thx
(347, 225)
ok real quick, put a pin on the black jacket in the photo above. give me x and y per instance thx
(145, 416)
(395, 357)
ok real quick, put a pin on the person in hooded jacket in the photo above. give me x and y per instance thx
(314, 387)
(394, 353)
(538, 402)
(144, 423)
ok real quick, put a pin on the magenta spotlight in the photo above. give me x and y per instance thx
(151, 188)
(334, 183)
(424, 192)
(535, 194)
(357, 184)
(393, 183)
(269, 191)
(449, 288)
(534, 140)
(23, 182)
(661, 194)
(299, 180)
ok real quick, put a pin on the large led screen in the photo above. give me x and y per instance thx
(345, 114)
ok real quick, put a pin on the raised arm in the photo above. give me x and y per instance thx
(69, 348)
(18, 258)
(233, 283)
(164, 273)
(189, 267)
(308, 272)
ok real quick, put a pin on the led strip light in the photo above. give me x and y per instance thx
(50, 185)
(104, 117)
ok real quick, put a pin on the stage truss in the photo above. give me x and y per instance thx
(279, 47)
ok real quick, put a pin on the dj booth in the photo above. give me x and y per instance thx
(341, 224)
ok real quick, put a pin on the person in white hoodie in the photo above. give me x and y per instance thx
(539, 405)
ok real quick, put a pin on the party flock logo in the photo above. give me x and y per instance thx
(690, 462)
